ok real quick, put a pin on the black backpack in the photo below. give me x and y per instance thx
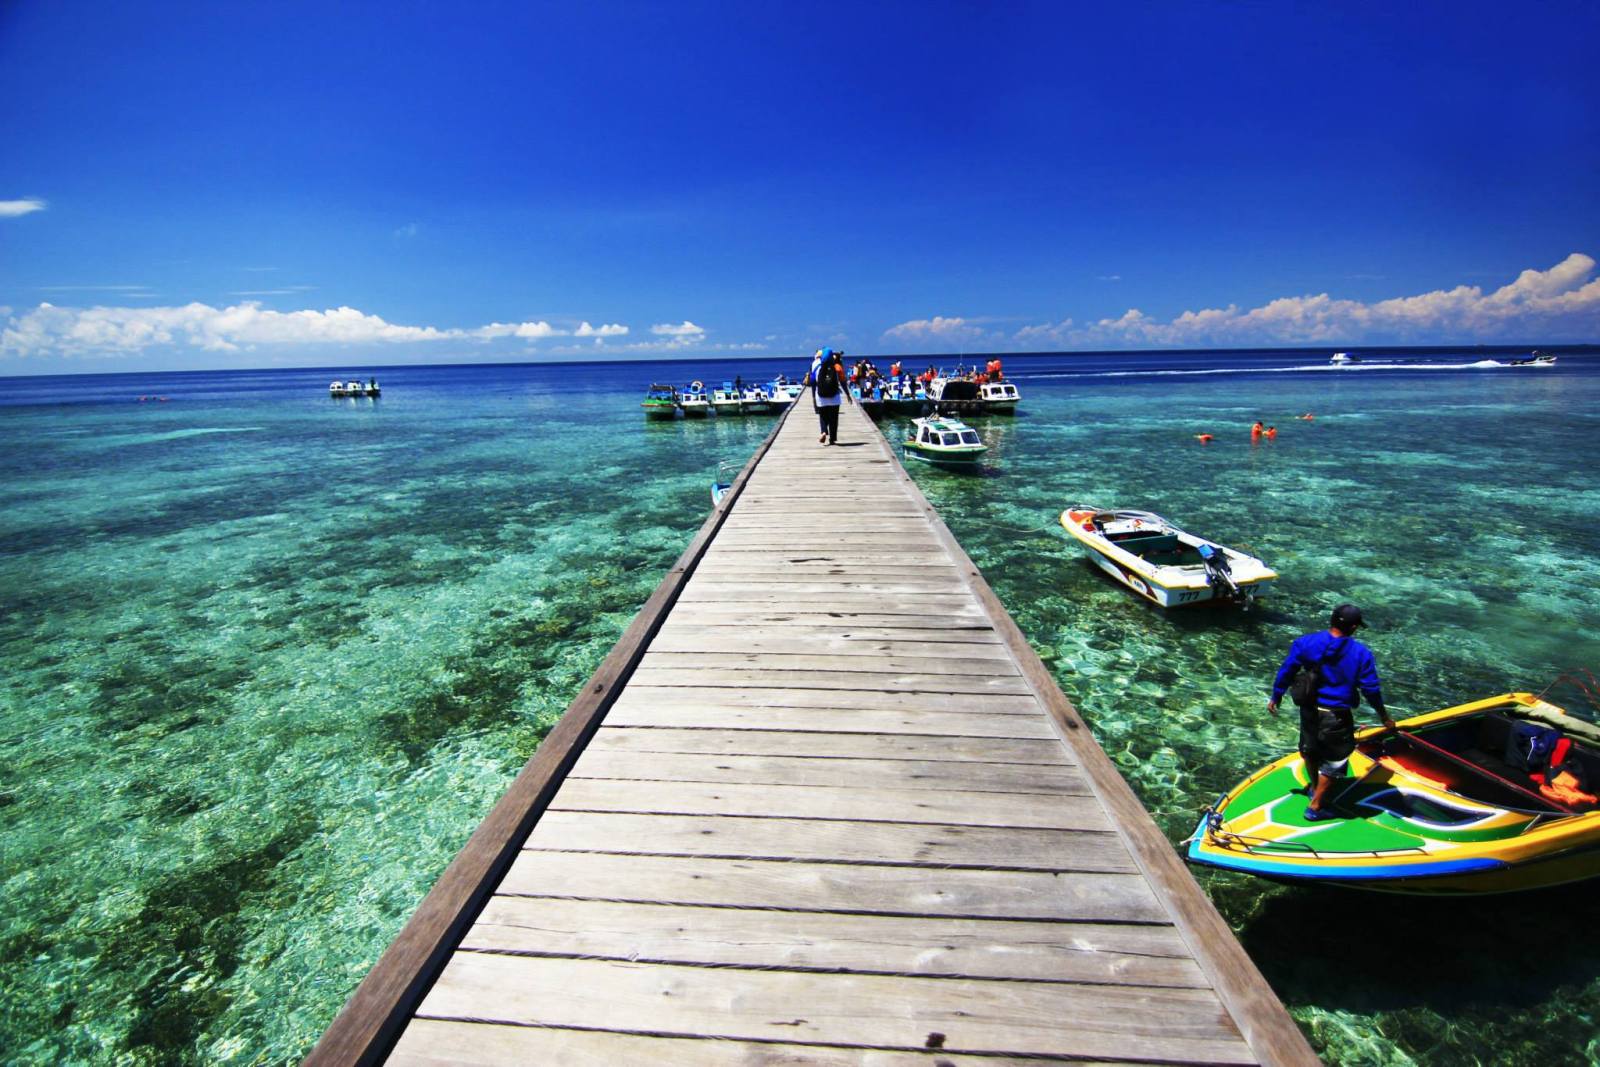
(828, 379)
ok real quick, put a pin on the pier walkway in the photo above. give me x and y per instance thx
(821, 805)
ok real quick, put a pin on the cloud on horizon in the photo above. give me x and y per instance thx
(1564, 297)
(11, 209)
(48, 330)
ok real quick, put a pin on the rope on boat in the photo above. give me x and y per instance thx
(1591, 691)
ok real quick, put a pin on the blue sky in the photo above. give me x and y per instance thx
(213, 185)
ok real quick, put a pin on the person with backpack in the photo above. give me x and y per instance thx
(828, 391)
(1328, 673)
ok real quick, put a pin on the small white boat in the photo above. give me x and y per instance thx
(938, 439)
(1160, 562)
(784, 392)
(999, 397)
(1537, 359)
(692, 399)
(1342, 359)
(336, 389)
(755, 401)
(725, 399)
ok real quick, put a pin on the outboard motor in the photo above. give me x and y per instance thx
(1218, 573)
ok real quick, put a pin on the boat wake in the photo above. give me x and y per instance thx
(1309, 368)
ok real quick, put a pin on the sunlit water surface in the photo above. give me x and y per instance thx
(266, 658)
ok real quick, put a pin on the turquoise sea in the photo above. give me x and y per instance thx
(266, 658)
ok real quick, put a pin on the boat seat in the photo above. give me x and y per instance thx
(1144, 544)
(1492, 737)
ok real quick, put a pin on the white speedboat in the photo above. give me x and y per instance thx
(1343, 359)
(725, 399)
(336, 389)
(755, 401)
(1160, 562)
(692, 399)
(1000, 398)
(937, 439)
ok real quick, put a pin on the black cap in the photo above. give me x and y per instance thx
(1346, 617)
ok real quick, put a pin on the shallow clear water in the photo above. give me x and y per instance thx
(267, 658)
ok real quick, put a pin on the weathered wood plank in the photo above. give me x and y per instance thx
(865, 661)
(866, 774)
(829, 841)
(1027, 754)
(846, 888)
(973, 1015)
(946, 807)
(867, 944)
(451, 1043)
(832, 720)
(656, 696)
(709, 678)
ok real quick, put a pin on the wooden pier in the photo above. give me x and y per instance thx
(822, 804)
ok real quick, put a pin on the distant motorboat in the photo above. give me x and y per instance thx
(1343, 359)
(1537, 359)
(753, 400)
(725, 399)
(1000, 398)
(354, 387)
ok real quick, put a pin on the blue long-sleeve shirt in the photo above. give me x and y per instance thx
(1346, 676)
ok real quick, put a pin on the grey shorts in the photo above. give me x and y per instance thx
(1327, 737)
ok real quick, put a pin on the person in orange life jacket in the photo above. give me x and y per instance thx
(1327, 723)
(1272, 433)
(1256, 431)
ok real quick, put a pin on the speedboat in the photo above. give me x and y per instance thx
(692, 399)
(1160, 562)
(661, 402)
(754, 400)
(1537, 359)
(1343, 359)
(726, 472)
(725, 399)
(784, 392)
(943, 440)
(336, 389)
(1000, 398)
(1453, 802)
(907, 397)
(870, 397)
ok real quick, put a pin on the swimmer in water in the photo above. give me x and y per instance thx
(1204, 438)
(1255, 431)
(1272, 433)
(1307, 416)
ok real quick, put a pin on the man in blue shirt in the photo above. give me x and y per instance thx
(1348, 672)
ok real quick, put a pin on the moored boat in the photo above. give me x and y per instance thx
(725, 399)
(1000, 398)
(1452, 803)
(1162, 563)
(661, 402)
(693, 400)
(755, 401)
(937, 439)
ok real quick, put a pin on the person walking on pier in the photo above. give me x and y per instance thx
(829, 390)
(1343, 670)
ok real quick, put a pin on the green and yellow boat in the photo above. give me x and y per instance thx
(1448, 804)
(661, 402)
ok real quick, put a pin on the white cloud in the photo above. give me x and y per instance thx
(527, 331)
(1108, 277)
(406, 232)
(1563, 298)
(49, 330)
(686, 329)
(938, 328)
(610, 329)
(10, 209)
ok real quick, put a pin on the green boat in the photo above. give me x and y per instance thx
(661, 402)
(938, 439)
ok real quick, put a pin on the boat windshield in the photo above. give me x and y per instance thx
(969, 437)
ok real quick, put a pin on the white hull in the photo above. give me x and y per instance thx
(1162, 563)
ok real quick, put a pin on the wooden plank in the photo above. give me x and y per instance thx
(696, 636)
(844, 888)
(952, 614)
(862, 944)
(1045, 752)
(866, 662)
(452, 1043)
(970, 1015)
(946, 807)
(372, 1019)
(821, 586)
(831, 841)
(833, 720)
(935, 775)
(865, 698)
(707, 679)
